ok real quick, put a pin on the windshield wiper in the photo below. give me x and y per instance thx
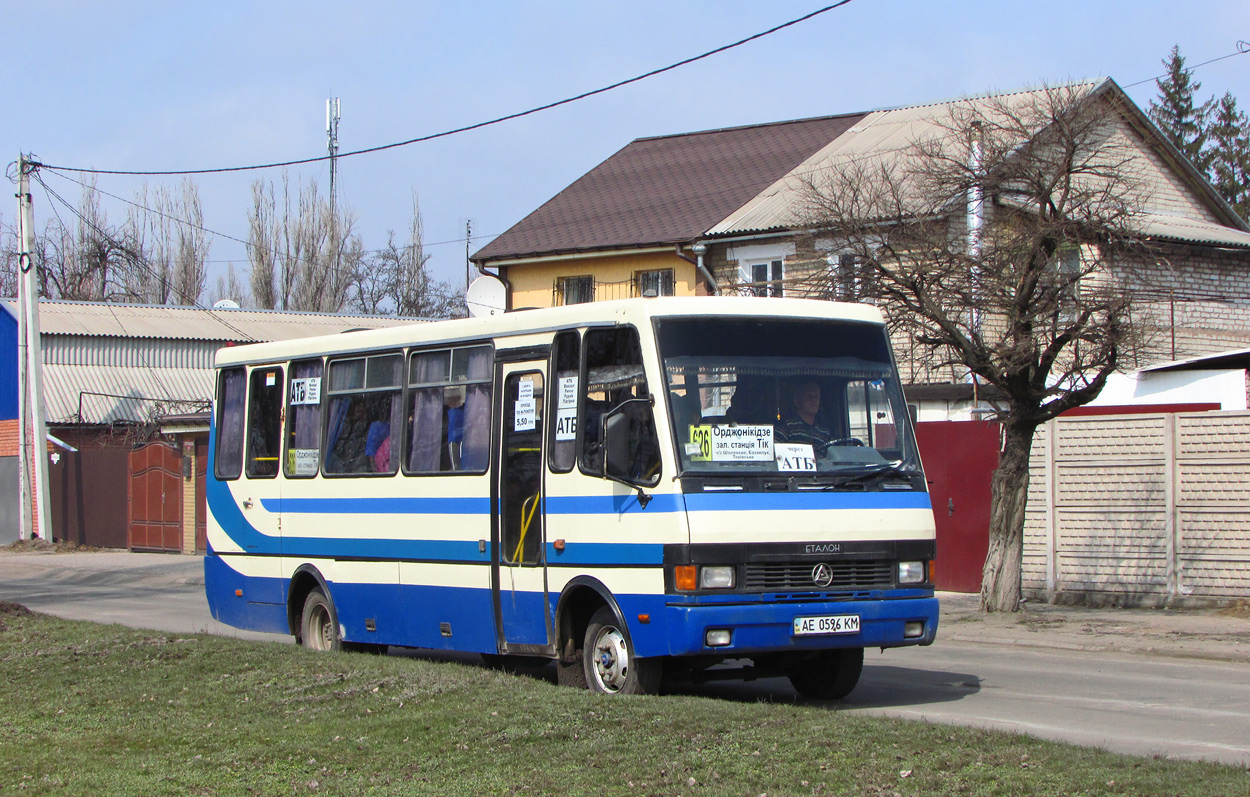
(874, 471)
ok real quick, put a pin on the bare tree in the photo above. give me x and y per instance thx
(93, 261)
(993, 244)
(190, 251)
(9, 247)
(230, 286)
(148, 226)
(396, 279)
(303, 256)
(262, 246)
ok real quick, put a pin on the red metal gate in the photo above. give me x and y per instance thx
(155, 498)
(959, 459)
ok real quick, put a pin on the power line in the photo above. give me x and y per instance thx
(476, 126)
(136, 257)
(1243, 47)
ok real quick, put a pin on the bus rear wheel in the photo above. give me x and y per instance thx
(318, 629)
(829, 674)
(610, 664)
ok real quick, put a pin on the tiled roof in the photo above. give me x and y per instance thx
(666, 189)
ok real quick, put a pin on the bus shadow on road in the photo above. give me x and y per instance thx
(881, 686)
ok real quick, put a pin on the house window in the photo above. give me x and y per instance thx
(851, 281)
(1068, 273)
(655, 283)
(577, 290)
(766, 278)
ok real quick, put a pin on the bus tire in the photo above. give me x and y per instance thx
(829, 675)
(610, 664)
(318, 625)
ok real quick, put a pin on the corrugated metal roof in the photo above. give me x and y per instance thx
(106, 362)
(107, 319)
(1187, 230)
(134, 393)
(665, 189)
(883, 138)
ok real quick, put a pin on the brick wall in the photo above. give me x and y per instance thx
(8, 438)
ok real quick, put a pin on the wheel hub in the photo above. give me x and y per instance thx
(611, 657)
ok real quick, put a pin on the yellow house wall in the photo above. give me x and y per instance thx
(533, 284)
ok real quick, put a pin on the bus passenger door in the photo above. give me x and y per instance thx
(519, 559)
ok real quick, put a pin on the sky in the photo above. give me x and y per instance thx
(178, 85)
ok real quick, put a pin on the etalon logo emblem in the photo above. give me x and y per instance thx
(822, 575)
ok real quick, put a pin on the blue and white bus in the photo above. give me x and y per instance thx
(635, 490)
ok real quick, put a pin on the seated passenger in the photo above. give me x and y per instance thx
(799, 424)
(378, 446)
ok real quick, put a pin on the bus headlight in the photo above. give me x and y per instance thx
(716, 577)
(911, 572)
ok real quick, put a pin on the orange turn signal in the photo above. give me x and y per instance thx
(238, 593)
(686, 577)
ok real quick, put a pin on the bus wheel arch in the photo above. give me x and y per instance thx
(304, 580)
(588, 619)
(579, 600)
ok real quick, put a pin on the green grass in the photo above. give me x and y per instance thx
(94, 709)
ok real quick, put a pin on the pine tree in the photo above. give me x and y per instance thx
(1183, 122)
(1229, 154)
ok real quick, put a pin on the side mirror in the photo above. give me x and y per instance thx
(618, 451)
(616, 446)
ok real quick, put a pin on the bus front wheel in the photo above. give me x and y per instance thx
(318, 628)
(610, 664)
(829, 674)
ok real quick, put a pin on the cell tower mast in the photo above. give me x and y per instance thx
(332, 130)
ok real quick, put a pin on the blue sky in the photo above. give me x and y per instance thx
(161, 85)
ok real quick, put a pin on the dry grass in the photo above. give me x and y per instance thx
(92, 709)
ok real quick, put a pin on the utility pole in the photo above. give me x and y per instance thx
(332, 130)
(33, 458)
(468, 264)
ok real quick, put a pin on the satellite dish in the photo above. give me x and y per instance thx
(226, 304)
(486, 296)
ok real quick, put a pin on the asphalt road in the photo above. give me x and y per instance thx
(1136, 704)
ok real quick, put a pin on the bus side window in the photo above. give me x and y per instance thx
(566, 362)
(449, 410)
(614, 374)
(264, 422)
(303, 420)
(363, 417)
(230, 404)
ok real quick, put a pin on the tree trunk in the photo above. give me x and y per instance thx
(1000, 580)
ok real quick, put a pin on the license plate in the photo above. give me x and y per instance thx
(829, 624)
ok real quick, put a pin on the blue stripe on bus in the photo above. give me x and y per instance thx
(624, 554)
(775, 502)
(604, 504)
(403, 505)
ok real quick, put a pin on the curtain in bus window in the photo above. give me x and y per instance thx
(475, 449)
(425, 454)
(230, 425)
(363, 422)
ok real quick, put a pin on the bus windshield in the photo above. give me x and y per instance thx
(769, 395)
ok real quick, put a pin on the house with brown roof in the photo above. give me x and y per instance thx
(719, 210)
(629, 226)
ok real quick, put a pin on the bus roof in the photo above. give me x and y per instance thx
(545, 320)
